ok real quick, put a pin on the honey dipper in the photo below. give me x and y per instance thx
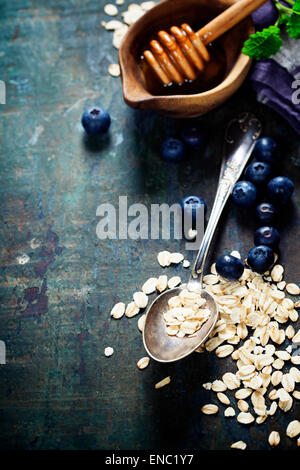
(182, 54)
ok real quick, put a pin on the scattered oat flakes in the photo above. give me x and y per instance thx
(281, 285)
(218, 386)
(295, 373)
(273, 408)
(243, 405)
(146, 6)
(276, 377)
(150, 285)
(131, 310)
(224, 351)
(174, 282)
(162, 283)
(243, 393)
(293, 289)
(295, 360)
(277, 273)
(133, 13)
(143, 362)
(119, 36)
(229, 412)
(141, 299)
(118, 310)
(111, 9)
(245, 418)
(274, 438)
(296, 337)
(223, 398)
(231, 381)
(210, 279)
(207, 386)
(112, 25)
(290, 332)
(241, 445)
(288, 382)
(278, 364)
(293, 429)
(176, 258)
(114, 70)
(141, 322)
(210, 409)
(108, 351)
(163, 382)
(293, 314)
(192, 234)
(261, 419)
(163, 258)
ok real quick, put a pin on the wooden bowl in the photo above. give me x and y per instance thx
(173, 12)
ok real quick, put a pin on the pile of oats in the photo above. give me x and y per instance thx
(250, 328)
(186, 314)
(255, 327)
(120, 26)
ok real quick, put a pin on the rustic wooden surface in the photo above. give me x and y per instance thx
(58, 391)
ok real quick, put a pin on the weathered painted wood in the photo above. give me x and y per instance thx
(58, 391)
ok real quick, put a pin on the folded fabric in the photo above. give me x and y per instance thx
(276, 80)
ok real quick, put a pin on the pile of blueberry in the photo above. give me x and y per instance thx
(258, 183)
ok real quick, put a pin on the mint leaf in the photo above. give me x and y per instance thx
(293, 26)
(293, 21)
(296, 6)
(263, 44)
(283, 19)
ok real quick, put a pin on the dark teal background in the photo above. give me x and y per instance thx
(58, 391)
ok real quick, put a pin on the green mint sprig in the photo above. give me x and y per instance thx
(267, 42)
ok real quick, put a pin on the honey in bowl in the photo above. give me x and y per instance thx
(215, 70)
(213, 74)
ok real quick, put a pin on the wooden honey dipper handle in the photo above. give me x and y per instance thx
(227, 19)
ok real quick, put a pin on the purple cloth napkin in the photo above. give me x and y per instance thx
(271, 80)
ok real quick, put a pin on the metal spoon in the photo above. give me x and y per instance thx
(240, 138)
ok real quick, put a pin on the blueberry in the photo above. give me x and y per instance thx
(173, 150)
(95, 121)
(280, 190)
(192, 206)
(244, 194)
(268, 236)
(193, 137)
(230, 267)
(260, 258)
(258, 173)
(265, 16)
(266, 150)
(266, 212)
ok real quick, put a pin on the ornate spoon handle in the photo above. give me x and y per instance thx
(240, 138)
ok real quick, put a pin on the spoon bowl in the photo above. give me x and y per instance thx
(164, 348)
